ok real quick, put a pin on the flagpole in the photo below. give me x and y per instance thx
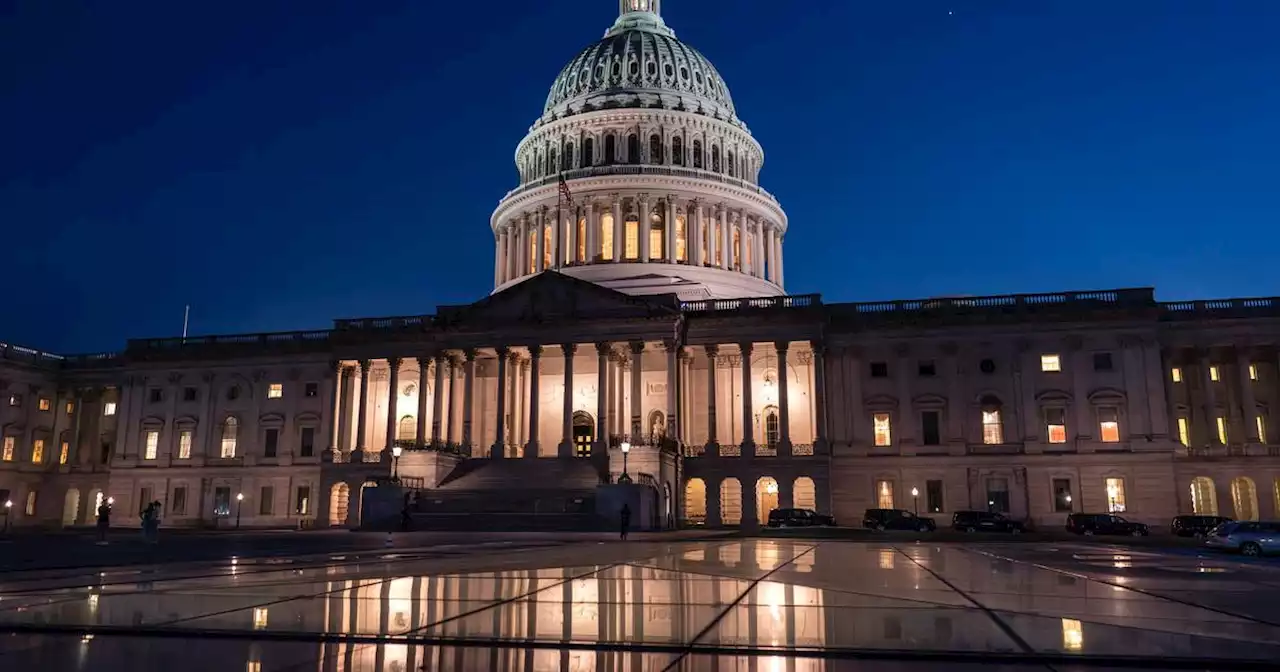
(186, 314)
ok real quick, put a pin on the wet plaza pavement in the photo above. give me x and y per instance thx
(720, 604)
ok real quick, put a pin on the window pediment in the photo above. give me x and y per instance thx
(307, 420)
(152, 422)
(1052, 396)
(1106, 395)
(186, 422)
(929, 402)
(271, 420)
(880, 402)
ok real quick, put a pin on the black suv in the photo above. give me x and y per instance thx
(799, 518)
(1104, 523)
(896, 519)
(984, 521)
(1196, 526)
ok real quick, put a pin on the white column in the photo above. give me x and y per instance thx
(468, 387)
(645, 228)
(760, 256)
(557, 238)
(566, 432)
(513, 250)
(780, 277)
(693, 244)
(602, 397)
(723, 215)
(362, 419)
(670, 207)
(540, 240)
(535, 368)
(637, 348)
(522, 245)
(497, 259)
(593, 233)
(748, 440)
(437, 400)
(498, 449)
(784, 401)
(451, 426)
(673, 400)
(740, 222)
(771, 263)
(393, 393)
(424, 367)
(712, 351)
(619, 230)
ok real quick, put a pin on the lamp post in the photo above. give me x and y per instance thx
(1070, 506)
(626, 449)
(915, 500)
(239, 503)
(8, 506)
(395, 461)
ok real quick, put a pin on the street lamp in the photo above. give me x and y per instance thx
(239, 503)
(626, 448)
(915, 499)
(1070, 506)
(395, 460)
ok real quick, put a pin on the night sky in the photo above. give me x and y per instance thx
(278, 164)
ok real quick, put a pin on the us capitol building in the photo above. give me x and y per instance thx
(640, 304)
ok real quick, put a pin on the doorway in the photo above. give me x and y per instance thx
(584, 433)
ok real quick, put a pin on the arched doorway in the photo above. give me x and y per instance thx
(695, 502)
(584, 433)
(805, 495)
(1204, 496)
(1245, 498)
(71, 508)
(766, 498)
(730, 502)
(339, 500)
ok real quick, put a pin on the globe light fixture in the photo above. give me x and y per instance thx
(395, 461)
(626, 449)
(915, 500)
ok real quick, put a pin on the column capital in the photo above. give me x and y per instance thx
(454, 362)
(711, 350)
(604, 348)
(720, 208)
(365, 364)
(669, 345)
(569, 349)
(644, 199)
(781, 346)
(502, 350)
(535, 351)
(746, 348)
(615, 199)
(636, 347)
(469, 354)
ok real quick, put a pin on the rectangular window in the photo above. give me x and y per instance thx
(1115, 495)
(222, 501)
(1102, 361)
(998, 495)
(992, 430)
(1222, 430)
(884, 494)
(31, 503)
(879, 370)
(631, 234)
(311, 390)
(681, 236)
(189, 394)
(1214, 374)
(109, 408)
(308, 447)
(184, 444)
(37, 451)
(302, 504)
(7, 453)
(71, 407)
(928, 369)
(259, 618)
(1056, 424)
(1253, 372)
(64, 452)
(1262, 429)
(884, 435)
(44, 404)
(1109, 425)
(1176, 374)
(933, 496)
(606, 237)
(179, 506)
(1050, 362)
(931, 426)
(266, 500)
(275, 390)
(153, 445)
(272, 442)
(1184, 431)
(1062, 495)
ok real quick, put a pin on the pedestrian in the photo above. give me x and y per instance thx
(155, 522)
(625, 516)
(104, 522)
(147, 514)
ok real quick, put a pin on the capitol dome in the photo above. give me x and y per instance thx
(639, 176)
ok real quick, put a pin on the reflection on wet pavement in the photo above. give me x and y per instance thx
(724, 605)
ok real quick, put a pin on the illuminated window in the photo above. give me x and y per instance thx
(153, 445)
(1204, 498)
(7, 453)
(259, 618)
(31, 503)
(64, 452)
(1109, 425)
(37, 451)
(992, 429)
(1214, 374)
(1262, 429)
(884, 435)
(407, 429)
(1072, 635)
(884, 494)
(1176, 373)
(275, 390)
(15, 400)
(631, 238)
(230, 428)
(109, 408)
(1184, 431)
(657, 237)
(735, 255)
(302, 504)
(253, 666)
(1050, 363)
(581, 252)
(1253, 372)
(682, 252)
(1222, 429)
(1115, 495)
(44, 403)
(718, 244)
(606, 236)
(1056, 424)
(533, 251)
(184, 444)
(71, 407)
(548, 248)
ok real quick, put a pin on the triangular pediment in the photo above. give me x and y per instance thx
(551, 297)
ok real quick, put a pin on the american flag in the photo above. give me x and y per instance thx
(564, 191)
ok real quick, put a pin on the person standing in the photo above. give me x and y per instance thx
(104, 522)
(625, 516)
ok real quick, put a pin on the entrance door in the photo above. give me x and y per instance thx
(584, 434)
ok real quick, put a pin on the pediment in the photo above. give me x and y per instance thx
(552, 297)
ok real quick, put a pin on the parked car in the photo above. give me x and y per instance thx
(1104, 523)
(896, 519)
(1196, 526)
(1247, 537)
(799, 518)
(984, 521)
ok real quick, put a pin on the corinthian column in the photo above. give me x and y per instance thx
(784, 401)
(712, 351)
(437, 400)
(645, 228)
(535, 368)
(725, 250)
(468, 386)
(566, 434)
(362, 420)
(748, 440)
(602, 397)
(497, 451)
(637, 348)
(393, 389)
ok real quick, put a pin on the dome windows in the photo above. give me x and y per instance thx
(615, 70)
(668, 70)
(684, 73)
(651, 68)
(634, 68)
(697, 154)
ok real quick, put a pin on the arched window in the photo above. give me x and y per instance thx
(730, 501)
(715, 158)
(551, 161)
(580, 254)
(657, 233)
(606, 236)
(695, 502)
(772, 429)
(566, 162)
(697, 153)
(677, 151)
(537, 163)
(682, 252)
(1204, 496)
(588, 152)
(633, 148)
(631, 233)
(1244, 496)
(655, 149)
(610, 150)
(407, 430)
(732, 164)
(230, 430)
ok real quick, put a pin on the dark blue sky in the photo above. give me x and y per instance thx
(277, 163)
